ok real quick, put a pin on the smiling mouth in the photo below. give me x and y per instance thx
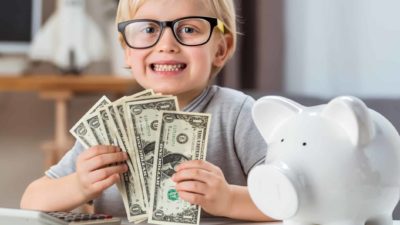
(168, 67)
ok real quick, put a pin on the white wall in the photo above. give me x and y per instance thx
(343, 47)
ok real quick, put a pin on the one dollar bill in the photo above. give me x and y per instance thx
(181, 137)
(143, 118)
(81, 131)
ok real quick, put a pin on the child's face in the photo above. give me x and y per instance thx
(191, 64)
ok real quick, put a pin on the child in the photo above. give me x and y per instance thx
(179, 57)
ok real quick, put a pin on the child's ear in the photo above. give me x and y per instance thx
(224, 49)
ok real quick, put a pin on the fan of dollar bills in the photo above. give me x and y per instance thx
(157, 137)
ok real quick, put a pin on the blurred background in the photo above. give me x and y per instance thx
(311, 50)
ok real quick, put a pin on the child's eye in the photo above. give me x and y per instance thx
(187, 30)
(149, 30)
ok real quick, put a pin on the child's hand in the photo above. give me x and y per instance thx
(97, 170)
(202, 183)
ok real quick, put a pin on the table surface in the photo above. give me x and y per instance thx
(220, 221)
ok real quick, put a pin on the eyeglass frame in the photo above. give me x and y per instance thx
(214, 22)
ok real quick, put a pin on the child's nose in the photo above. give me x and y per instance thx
(167, 42)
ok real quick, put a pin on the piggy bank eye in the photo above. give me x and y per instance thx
(282, 140)
(304, 143)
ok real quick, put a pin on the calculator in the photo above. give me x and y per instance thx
(31, 217)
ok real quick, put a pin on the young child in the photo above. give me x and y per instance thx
(173, 47)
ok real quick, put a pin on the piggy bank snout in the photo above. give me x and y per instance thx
(273, 192)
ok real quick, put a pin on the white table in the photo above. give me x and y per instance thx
(207, 221)
(219, 221)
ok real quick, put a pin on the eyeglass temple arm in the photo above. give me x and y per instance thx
(221, 26)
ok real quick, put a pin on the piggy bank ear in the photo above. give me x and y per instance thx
(270, 111)
(353, 115)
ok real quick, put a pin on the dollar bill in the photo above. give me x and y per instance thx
(120, 116)
(109, 126)
(135, 202)
(95, 128)
(105, 126)
(132, 204)
(92, 121)
(110, 138)
(90, 132)
(141, 126)
(181, 137)
(120, 125)
(81, 131)
(143, 117)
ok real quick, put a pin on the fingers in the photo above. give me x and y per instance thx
(103, 160)
(199, 182)
(193, 174)
(194, 187)
(199, 164)
(98, 168)
(192, 198)
(197, 170)
(98, 150)
(105, 173)
(105, 183)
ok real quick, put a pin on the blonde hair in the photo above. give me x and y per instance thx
(224, 10)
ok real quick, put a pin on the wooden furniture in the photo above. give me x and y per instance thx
(61, 89)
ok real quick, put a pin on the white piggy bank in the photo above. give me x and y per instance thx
(336, 164)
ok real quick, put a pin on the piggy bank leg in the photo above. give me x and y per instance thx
(381, 220)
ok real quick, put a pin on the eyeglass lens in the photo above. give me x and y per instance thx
(191, 31)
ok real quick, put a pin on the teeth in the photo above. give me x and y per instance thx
(168, 68)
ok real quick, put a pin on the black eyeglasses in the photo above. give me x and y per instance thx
(188, 31)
